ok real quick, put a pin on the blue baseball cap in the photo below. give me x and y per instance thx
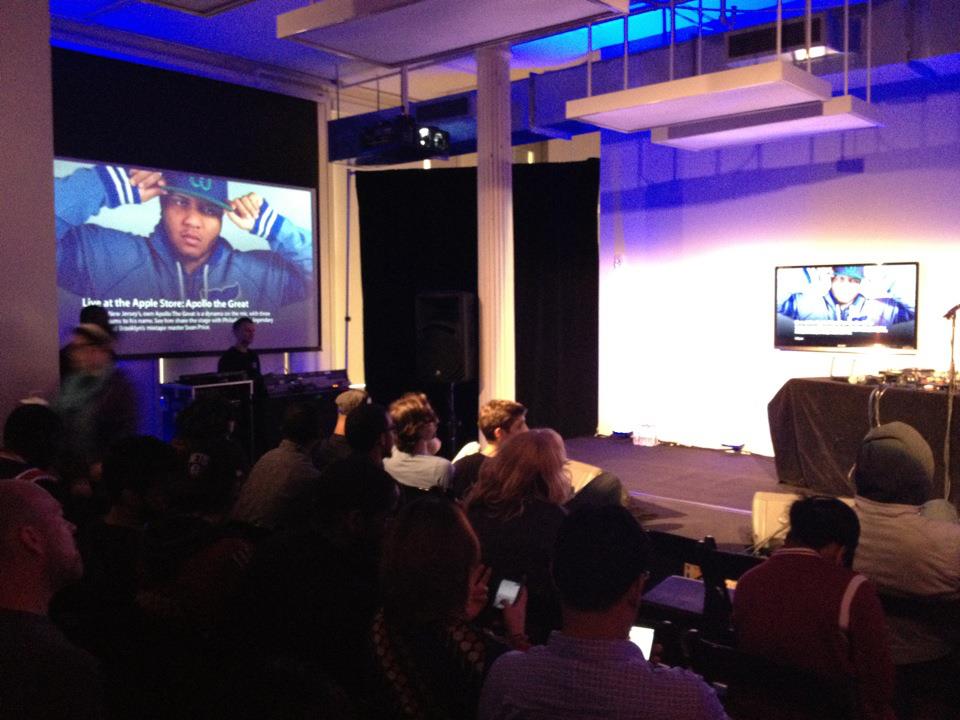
(850, 271)
(206, 187)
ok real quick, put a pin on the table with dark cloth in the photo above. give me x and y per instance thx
(816, 425)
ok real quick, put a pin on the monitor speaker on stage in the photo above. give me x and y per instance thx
(446, 337)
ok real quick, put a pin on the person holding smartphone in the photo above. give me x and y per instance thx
(516, 508)
(590, 668)
(430, 656)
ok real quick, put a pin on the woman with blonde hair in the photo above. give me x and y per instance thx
(516, 509)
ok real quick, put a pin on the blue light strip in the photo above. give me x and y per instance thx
(649, 25)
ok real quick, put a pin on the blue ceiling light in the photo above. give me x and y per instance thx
(367, 29)
(649, 25)
(241, 38)
(203, 8)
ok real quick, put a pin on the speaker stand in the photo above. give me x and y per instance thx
(452, 418)
(951, 392)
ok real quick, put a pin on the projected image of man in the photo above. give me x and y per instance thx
(185, 257)
(844, 302)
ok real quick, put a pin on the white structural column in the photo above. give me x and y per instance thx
(330, 313)
(28, 255)
(495, 225)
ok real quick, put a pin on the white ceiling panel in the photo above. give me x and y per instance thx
(727, 92)
(397, 32)
(835, 115)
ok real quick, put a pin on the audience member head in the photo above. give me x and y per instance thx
(301, 423)
(206, 418)
(416, 422)
(91, 349)
(38, 553)
(600, 562)
(97, 315)
(349, 400)
(894, 465)
(355, 498)
(500, 418)
(207, 483)
(211, 464)
(827, 525)
(35, 433)
(370, 431)
(137, 472)
(528, 465)
(428, 559)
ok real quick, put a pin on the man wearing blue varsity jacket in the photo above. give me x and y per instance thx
(184, 257)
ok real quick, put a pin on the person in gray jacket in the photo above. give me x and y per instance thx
(910, 550)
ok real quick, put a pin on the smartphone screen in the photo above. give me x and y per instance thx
(506, 594)
(642, 637)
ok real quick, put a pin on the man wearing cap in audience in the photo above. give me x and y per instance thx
(910, 548)
(336, 447)
(845, 302)
(97, 402)
(184, 257)
(95, 314)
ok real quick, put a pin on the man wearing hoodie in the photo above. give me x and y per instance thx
(184, 257)
(910, 550)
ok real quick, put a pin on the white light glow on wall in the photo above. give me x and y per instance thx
(686, 330)
(621, 339)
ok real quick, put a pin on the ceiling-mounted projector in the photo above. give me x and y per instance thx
(401, 140)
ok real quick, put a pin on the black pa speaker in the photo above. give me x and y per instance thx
(446, 337)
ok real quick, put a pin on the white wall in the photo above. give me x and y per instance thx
(688, 246)
(28, 294)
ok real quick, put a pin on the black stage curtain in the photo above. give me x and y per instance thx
(418, 233)
(817, 425)
(557, 285)
(128, 113)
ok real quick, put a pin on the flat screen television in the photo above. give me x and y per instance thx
(176, 257)
(838, 307)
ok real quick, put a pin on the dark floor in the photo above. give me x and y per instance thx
(685, 491)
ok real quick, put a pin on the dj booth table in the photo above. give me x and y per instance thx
(816, 425)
